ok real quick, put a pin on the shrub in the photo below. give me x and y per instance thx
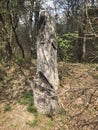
(66, 48)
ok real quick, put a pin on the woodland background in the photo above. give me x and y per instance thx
(77, 29)
(77, 38)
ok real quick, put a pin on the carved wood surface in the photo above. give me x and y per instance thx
(46, 82)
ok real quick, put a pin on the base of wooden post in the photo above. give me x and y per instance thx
(45, 100)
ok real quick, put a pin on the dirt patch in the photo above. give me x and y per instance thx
(16, 119)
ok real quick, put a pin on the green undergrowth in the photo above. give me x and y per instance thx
(36, 121)
(41, 120)
(96, 68)
(33, 123)
(50, 123)
(7, 108)
(27, 99)
(2, 74)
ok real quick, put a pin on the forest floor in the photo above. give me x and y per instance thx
(78, 98)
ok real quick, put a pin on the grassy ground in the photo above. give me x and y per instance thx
(78, 98)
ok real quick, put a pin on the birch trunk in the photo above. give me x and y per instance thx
(47, 81)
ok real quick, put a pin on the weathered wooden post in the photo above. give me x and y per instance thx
(47, 81)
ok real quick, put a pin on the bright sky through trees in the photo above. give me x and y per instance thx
(50, 3)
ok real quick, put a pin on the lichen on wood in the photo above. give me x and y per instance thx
(46, 81)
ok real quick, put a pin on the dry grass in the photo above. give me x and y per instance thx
(78, 98)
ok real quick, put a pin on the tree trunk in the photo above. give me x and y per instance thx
(84, 48)
(47, 81)
(85, 30)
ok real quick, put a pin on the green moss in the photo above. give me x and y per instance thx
(27, 99)
(95, 76)
(31, 109)
(96, 68)
(7, 108)
(50, 123)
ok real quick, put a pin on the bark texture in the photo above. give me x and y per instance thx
(46, 82)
